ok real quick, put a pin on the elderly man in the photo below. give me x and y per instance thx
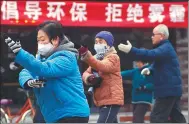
(166, 73)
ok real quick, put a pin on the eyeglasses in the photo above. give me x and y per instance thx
(156, 34)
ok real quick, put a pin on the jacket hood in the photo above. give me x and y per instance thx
(65, 44)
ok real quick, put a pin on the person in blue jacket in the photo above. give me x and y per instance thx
(53, 75)
(166, 74)
(142, 90)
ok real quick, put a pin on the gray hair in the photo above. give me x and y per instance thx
(163, 29)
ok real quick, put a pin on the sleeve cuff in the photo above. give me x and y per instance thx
(133, 50)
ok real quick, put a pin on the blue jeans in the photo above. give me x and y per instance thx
(108, 114)
(167, 107)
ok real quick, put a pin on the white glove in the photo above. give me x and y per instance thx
(14, 46)
(145, 71)
(36, 83)
(125, 48)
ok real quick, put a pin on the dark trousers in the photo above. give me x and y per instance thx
(74, 120)
(108, 114)
(38, 118)
(139, 111)
(167, 107)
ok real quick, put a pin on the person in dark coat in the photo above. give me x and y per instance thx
(166, 74)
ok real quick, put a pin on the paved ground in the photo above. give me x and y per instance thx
(94, 117)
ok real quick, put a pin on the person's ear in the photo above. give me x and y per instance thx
(55, 42)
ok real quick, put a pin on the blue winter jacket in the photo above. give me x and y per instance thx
(165, 69)
(138, 80)
(63, 95)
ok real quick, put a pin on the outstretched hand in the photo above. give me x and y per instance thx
(125, 48)
(14, 46)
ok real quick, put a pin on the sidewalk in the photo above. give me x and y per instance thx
(93, 117)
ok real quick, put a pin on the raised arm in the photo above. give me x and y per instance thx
(60, 66)
(107, 65)
(159, 53)
(128, 74)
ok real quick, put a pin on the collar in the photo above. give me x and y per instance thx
(110, 51)
(160, 43)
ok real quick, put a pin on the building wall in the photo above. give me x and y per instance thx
(182, 51)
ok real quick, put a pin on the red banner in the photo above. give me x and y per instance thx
(95, 14)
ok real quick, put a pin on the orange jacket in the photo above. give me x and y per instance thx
(110, 91)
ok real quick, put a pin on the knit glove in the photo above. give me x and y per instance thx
(125, 48)
(83, 51)
(35, 83)
(14, 46)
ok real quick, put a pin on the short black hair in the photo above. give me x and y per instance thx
(143, 61)
(52, 29)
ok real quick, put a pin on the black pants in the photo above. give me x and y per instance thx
(139, 111)
(74, 120)
(167, 107)
(38, 118)
(108, 114)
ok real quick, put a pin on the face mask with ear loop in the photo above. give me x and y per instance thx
(100, 48)
(44, 49)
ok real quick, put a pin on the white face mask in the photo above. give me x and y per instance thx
(100, 48)
(44, 49)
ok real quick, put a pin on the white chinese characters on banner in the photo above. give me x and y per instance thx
(156, 11)
(9, 10)
(78, 12)
(177, 13)
(33, 11)
(135, 13)
(55, 10)
(113, 12)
